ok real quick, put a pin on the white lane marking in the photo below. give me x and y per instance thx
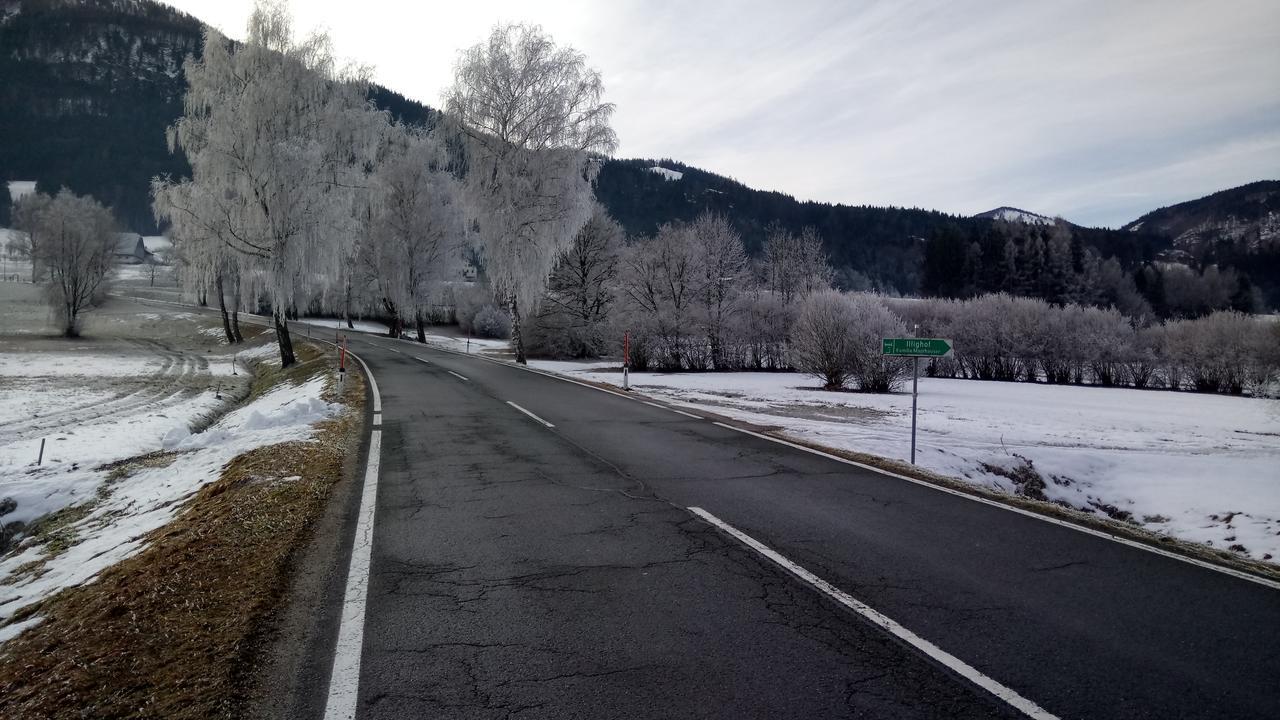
(689, 415)
(654, 404)
(460, 377)
(1025, 706)
(1274, 585)
(1037, 516)
(526, 412)
(344, 680)
(377, 419)
(422, 360)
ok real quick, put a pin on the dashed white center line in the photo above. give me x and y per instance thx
(460, 377)
(653, 404)
(1023, 705)
(688, 415)
(422, 360)
(526, 412)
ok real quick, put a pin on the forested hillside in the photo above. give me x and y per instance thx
(87, 88)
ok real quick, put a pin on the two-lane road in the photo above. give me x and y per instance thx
(534, 555)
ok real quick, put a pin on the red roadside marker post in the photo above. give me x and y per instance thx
(342, 360)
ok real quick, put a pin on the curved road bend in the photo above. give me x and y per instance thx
(533, 556)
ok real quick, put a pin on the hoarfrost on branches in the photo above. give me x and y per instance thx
(532, 114)
(279, 138)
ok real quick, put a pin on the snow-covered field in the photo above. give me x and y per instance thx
(1204, 468)
(146, 499)
(137, 383)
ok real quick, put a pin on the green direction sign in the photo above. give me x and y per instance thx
(916, 347)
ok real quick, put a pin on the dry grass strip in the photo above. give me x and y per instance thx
(174, 632)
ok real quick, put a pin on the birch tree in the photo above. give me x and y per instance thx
(532, 113)
(77, 243)
(795, 265)
(721, 264)
(419, 218)
(278, 136)
(26, 216)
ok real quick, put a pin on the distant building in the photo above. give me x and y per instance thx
(130, 250)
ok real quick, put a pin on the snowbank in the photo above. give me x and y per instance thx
(1204, 468)
(132, 506)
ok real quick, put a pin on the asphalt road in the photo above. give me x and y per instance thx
(521, 570)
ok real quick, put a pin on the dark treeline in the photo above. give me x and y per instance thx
(1062, 263)
(87, 90)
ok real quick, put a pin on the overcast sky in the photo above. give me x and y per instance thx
(1095, 111)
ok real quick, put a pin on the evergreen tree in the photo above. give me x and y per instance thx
(944, 256)
(4, 201)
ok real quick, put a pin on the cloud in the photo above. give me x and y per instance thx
(1095, 110)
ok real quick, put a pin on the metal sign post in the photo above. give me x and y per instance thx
(916, 348)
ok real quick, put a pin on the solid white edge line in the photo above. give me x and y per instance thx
(1037, 516)
(344, 678)
(1009, 696)
(460, 377)
(526, 412)
(688, 415)
(1274, 585)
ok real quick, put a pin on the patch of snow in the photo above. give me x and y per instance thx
(1204, 468)
(157, 243)
(9, 632)
(1009, 214)
(666, 173)
(150, 497)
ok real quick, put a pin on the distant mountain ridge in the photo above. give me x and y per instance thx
(1248, 216)
(87, 88)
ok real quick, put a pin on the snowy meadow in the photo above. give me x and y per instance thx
(1204, 468)
(134, 418)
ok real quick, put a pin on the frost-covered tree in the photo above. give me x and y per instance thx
(418, 217)
(721, 267)
(26, 215)
(660, 279)
(532, 112)
(278, 137)
(822, 339)
(206, 257)
(77, 243)
(795, 265)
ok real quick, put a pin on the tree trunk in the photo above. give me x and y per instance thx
(287, 357)
(517, 337)
(222, 307)
(235, 311)
(393, 327)
(70, 330)
(203, 299)
(346, 306)
(422, 327)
